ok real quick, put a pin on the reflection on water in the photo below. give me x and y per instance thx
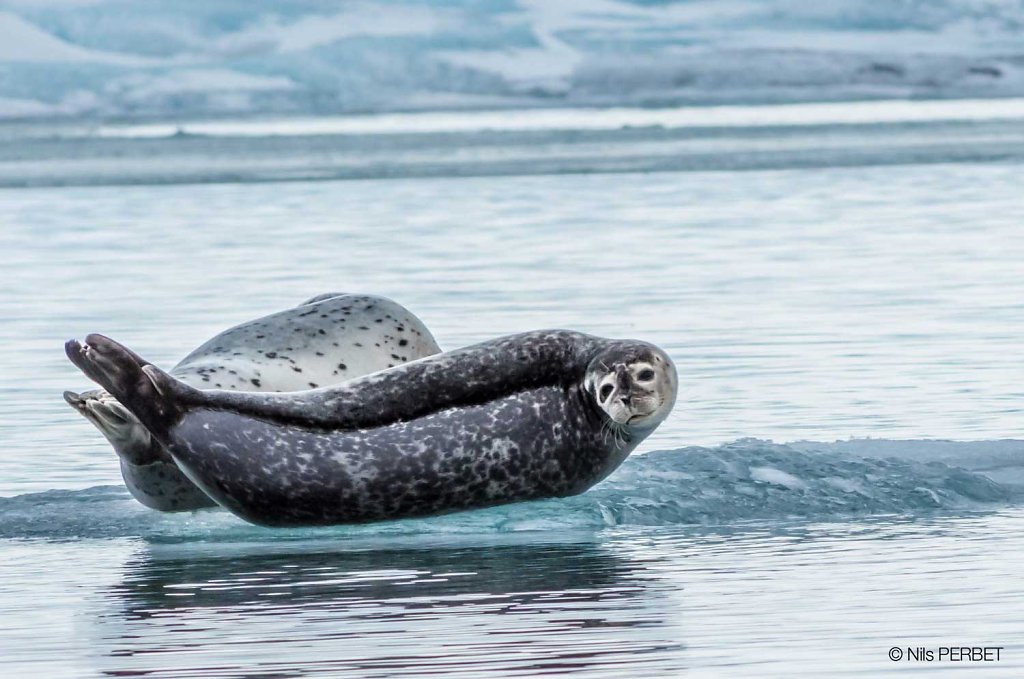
(769, 599)
(818, 304)
(513, 609)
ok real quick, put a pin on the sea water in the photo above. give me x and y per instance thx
(843, 472)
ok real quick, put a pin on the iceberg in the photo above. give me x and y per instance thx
(132, 60)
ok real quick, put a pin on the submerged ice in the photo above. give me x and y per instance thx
(748, 480)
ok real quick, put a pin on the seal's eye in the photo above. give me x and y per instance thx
(606, 391)
(646, 375)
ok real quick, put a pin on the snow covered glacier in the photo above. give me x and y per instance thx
(131, 58)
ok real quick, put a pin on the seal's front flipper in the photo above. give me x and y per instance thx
(145, 390)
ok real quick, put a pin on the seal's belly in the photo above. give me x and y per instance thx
(527, 445)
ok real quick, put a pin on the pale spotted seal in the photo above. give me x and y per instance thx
(325, 340)
(534, 415)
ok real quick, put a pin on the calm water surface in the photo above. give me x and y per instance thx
(824, 304)
(819, 304)
(783, 600)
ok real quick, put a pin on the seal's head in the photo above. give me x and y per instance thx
(633, 383)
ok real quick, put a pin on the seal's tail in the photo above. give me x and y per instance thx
(150, 394)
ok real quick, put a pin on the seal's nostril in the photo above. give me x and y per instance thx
(622, 378)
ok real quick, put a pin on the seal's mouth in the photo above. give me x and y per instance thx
(631, 419)
(649, 413)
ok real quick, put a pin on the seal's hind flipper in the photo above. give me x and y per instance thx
(100, 408)
(75, 400)
(129, 437)
(142, 388)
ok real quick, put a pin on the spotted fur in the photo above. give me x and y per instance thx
(325, 340)
(510, 419)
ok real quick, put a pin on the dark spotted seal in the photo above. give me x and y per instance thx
(325, 340)
(535, 415)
